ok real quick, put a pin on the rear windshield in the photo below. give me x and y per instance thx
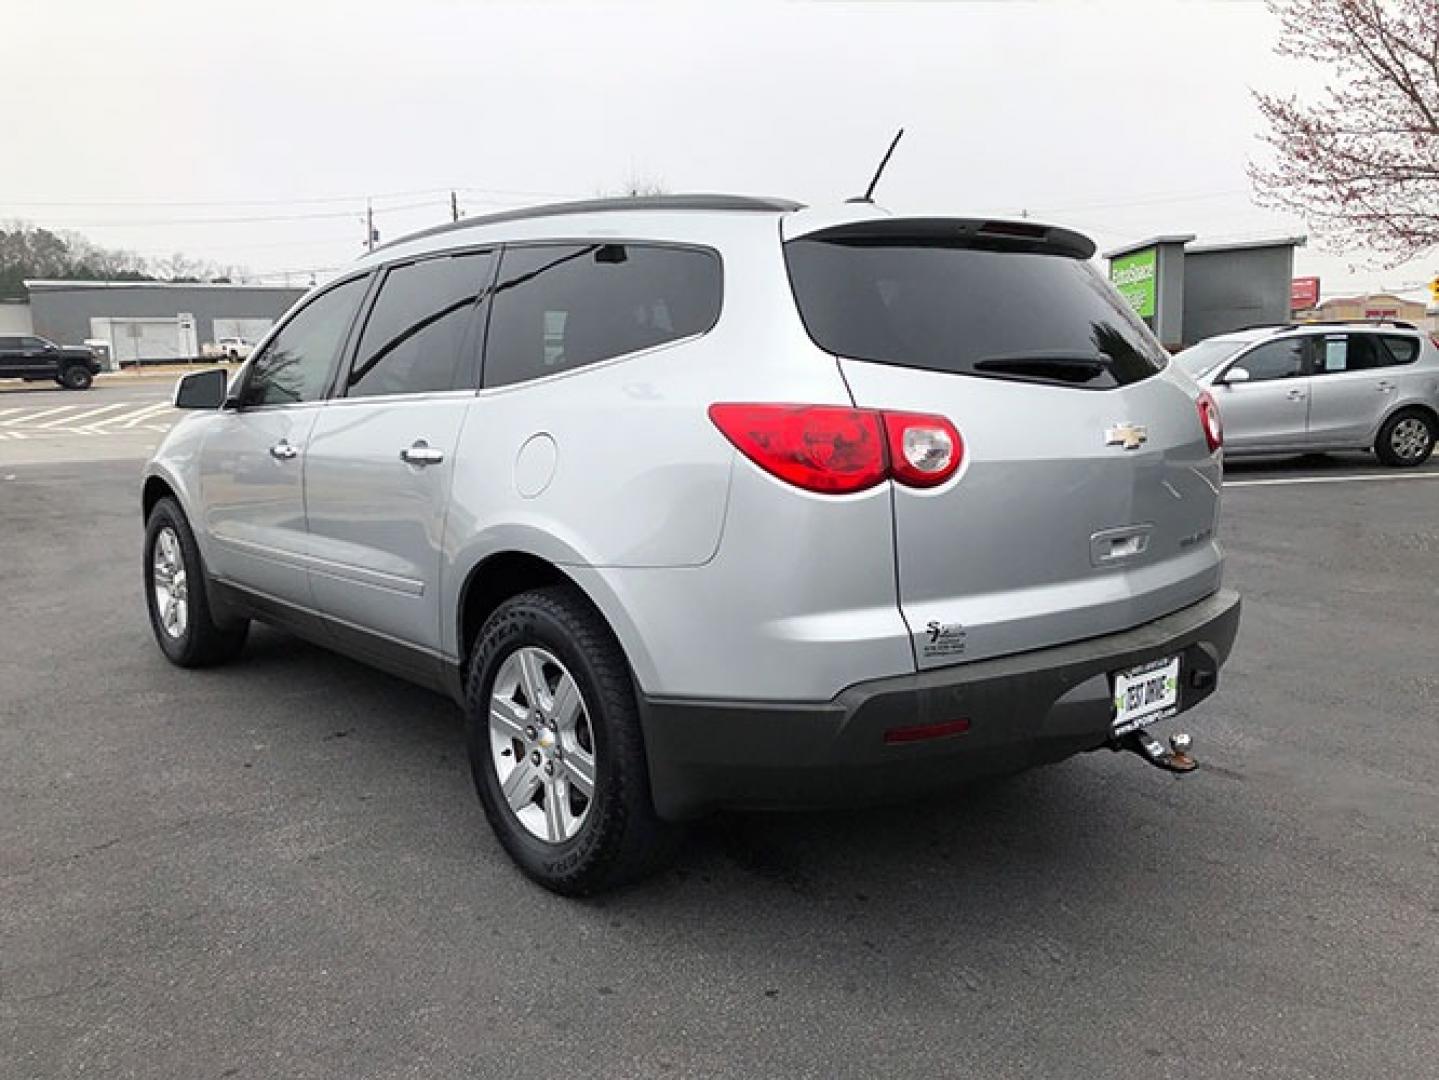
(969, 311)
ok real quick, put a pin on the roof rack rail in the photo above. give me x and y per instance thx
(596, 206)
(1400, 323)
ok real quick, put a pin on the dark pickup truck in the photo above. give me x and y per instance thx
(34, 358)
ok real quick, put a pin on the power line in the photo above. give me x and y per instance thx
(298, 201)
(319, 200)
(245, 220)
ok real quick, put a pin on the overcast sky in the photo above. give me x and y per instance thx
(176, 126)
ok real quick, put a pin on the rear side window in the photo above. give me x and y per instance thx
(1401, 350)
(969, 311)
(557, 308)
(411, 343)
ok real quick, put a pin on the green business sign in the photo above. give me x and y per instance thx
(1135, 276)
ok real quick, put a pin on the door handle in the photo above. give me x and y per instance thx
(1296, 395)
(422, 453)
(1384, 387)
(283, 451)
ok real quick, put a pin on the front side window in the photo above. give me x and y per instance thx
(1282, 359)
(1199, 360)
(411, 343)
(297, 362)
(560, 307)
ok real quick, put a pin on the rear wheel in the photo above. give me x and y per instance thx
(76, 377)
(185, 628)
(555, 746)
(1406, 439)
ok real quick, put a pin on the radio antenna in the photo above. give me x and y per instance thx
(868, 196)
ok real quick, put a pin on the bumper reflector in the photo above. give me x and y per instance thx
(920, 732)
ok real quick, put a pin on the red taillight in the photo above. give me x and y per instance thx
(924, 451)
(821, 448)
(1209, 420)
(836, 450)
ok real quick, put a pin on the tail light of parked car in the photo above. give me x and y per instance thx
(1209, 420)
(834, 450)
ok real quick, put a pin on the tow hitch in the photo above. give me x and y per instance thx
(1176, 759)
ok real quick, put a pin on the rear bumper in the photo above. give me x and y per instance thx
(1023, 710)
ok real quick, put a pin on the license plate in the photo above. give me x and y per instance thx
(1145, 695)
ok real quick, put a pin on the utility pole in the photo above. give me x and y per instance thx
(454, 207)
(369, 226)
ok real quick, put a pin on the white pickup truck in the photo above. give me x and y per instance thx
(228, 348)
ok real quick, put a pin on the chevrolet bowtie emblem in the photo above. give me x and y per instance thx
(1129, 436)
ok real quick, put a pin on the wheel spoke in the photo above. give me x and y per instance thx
(520, 786)
(557, 811)
(565, 707)
(580, 769)
(532, 677)
(508, 717)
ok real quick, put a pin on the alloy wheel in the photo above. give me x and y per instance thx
(1410, 438)
(542, 745)
(168, 580)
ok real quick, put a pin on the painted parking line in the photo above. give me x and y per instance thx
(65, 420)
(1280, 481)
(129, 420)
(32, 417)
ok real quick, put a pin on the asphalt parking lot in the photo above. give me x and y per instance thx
(279, 869)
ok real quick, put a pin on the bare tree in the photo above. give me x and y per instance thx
(1361, 162)
(642, 185)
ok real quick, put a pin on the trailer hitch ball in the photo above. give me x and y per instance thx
(1175, 759)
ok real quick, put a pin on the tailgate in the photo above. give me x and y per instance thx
(1087, 498)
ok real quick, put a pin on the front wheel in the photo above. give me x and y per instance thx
(556, 749)
(185, 628)
(76, 377)
(1406, 439)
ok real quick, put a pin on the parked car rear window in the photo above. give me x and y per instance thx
(560, 307)
(412, 338)
(969, 311)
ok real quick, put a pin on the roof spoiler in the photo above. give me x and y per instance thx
(984, 233)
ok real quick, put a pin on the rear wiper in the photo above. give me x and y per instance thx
(1055, 366)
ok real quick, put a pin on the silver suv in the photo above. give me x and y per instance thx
(704, 502)
(1313, 387)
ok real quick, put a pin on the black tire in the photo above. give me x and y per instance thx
(620, 838)
(1397, 446)
(76, 377)
(204, 640)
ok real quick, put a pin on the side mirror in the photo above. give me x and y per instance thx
(200, 390)
(1236, 374)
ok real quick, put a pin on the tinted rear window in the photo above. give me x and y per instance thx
(560, 307)
(969, 311)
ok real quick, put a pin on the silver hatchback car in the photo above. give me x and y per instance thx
(698, 502)
(1313, 387)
